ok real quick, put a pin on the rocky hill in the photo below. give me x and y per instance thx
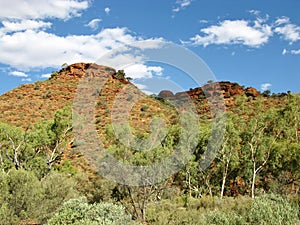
(31, 103)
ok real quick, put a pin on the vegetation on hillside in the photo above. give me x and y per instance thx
(254, 178)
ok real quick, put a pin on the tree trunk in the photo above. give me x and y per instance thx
(223, 186)
(189, 183)
(253, 183)
(224, 178)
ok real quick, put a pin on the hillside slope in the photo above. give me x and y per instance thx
(31, 103)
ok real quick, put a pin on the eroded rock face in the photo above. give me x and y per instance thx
(252, 92)
(227, 88)
(78, 70)
(212, 92)
(166, 94)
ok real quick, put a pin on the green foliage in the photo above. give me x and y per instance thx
(260, 153)
(23, 196)
(57, 188)
(223, 218)
(120, 75)
(265, 210)
(272, 209)
(78, 211)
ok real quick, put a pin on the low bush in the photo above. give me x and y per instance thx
(79, 212)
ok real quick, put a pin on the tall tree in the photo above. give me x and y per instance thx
(260, 133)
(228, 156)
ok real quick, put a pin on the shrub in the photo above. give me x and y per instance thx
(272, 209)
(23, 196)
(20, 197)
(79, 212)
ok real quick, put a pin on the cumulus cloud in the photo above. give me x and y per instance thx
(295, 52)
(181, 4)
(138, 71)
(203, 21)
(26, 43)
(234, 32)
(254, 12)
(292, 52)
(94, 24)
(32, 49)
(18, 74)
(107, 10)
(282, 20)
(37, 9)
(265, 86)
(10, 26)
(26, 79)
(289, 32)
(46, 75)
(284, 51)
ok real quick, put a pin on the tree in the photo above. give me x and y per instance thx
(260, 133)
(120, 75)
(228, 159)
(13, 144)
(50, 138)
(136, 198)
(64, 66)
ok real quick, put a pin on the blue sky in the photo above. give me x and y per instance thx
(253, 42)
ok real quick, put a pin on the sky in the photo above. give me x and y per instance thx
(252, 42)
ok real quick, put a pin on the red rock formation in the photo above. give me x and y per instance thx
(165, 94)
(252, 92)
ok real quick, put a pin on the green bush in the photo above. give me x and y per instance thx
(223, 218)
(23, 196)
(264, 210)
(20, 197)
(273, 210)
(79, 212)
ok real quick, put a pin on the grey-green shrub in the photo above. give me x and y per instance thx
(23, 196)
(79, 212)
(273, 210)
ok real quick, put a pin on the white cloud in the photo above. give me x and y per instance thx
(265, 86)
(22, 25)
(181, 4)
(94, 24)
(37, 9)
(254, 12)
(107, 10)
(284, 52)
(234, 32)
(138, 71)
(295, 52)
(203, 21)
(289, 32)
(26, 79)
(18, 74)
(46, 75)
(38, 49)
(141, 86)
(282, 20)
(144, 88)
(292, 52)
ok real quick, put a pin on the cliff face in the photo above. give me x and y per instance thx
(225, 89)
